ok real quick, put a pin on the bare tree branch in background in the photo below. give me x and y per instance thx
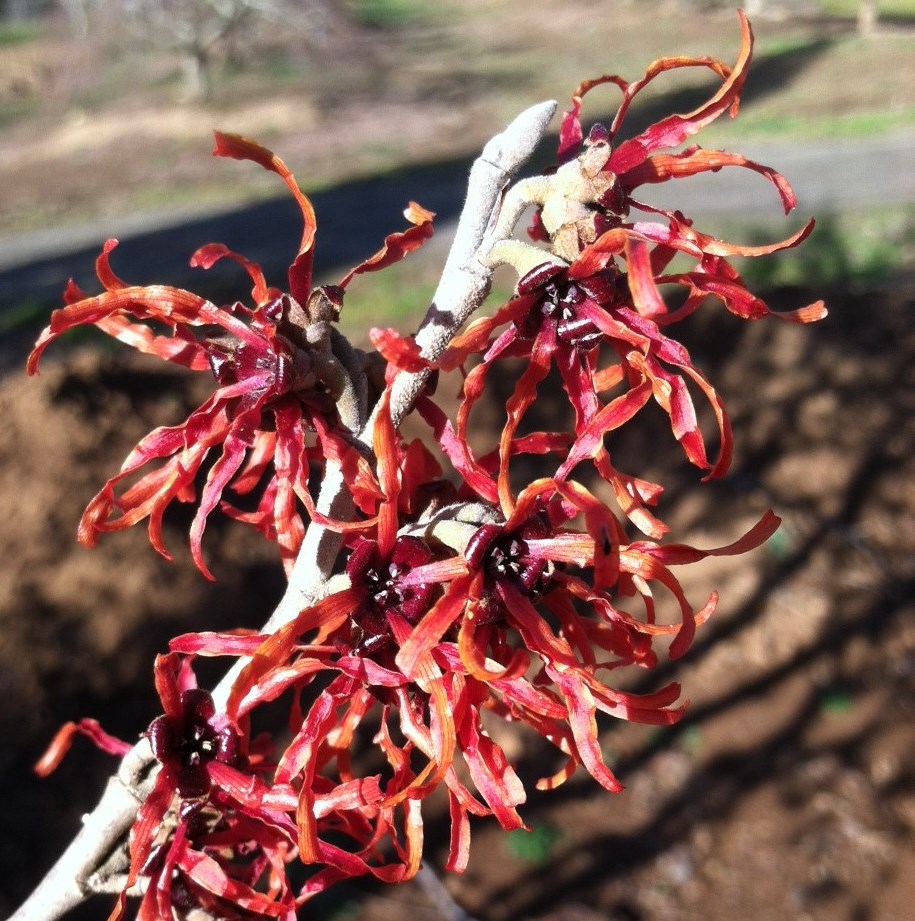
(204, 33)
(867, 17)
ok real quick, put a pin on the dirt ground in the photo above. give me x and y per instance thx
(787, 792)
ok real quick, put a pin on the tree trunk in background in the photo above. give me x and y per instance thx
(196, 71)
(867, 17)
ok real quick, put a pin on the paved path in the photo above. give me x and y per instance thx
(829, 176)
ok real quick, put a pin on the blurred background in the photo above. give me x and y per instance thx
(789, 789)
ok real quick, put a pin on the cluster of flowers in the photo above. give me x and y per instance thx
(458, 599)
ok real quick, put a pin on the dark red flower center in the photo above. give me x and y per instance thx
(509, 559)
(385, 591)
(562, 301)
(187, 744)
(233, 362)
(289, 358)
(505, 557)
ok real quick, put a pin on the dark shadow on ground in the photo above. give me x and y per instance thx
(834, 528)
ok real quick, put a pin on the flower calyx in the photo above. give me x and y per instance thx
(295, 358)
(451, 527)
(569, 204)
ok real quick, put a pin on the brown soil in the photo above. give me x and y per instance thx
(787, 792)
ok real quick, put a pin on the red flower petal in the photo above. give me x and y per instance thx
(432, 627)
(539, 364)
(63, 739)
(241, 148)
(661, 167)
(403, 353)
(179, 348)
(616, 413)
(228, 464)
(582, 721)
(570, 133)
(675, 129)
(397, 245)
(492, 774)
(207, 256)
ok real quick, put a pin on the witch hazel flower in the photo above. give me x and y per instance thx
(591, 304)
(216, 832)
(186, 740)
(442, 622)
(210, 833)
(282, 371)
(592, 189)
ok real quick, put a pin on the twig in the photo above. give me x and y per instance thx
(464, 285)
(439, 896)
(68, 883)
(466, 279)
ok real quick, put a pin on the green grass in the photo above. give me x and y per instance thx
(534, 847)
(28, 314)
(18, 33)
(399, 296)
(836, 703)
(386, 14)
(849, 250)
(818, 127)
(896, 8)
(776, 45)
(13, 110)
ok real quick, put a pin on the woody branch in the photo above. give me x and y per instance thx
(90, 864)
